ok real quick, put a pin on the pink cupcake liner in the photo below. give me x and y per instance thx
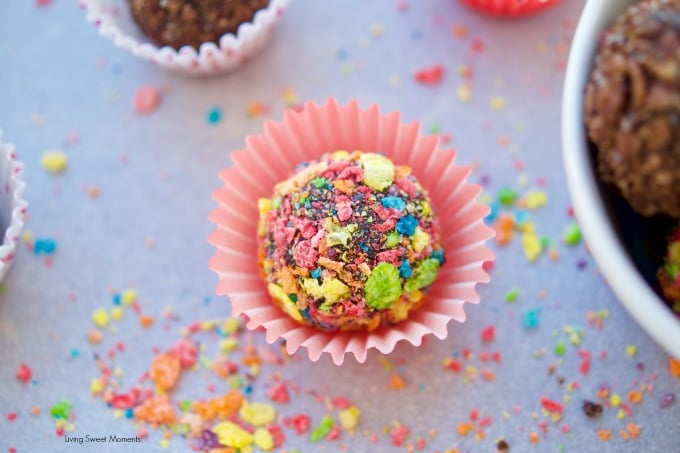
(114, 21)
(12, 205)
(305, 135)
(509, 8)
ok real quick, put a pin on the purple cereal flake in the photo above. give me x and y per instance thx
(666, 400)
(208, 441)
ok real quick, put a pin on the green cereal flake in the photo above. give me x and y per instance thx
(423, 275)
(319, 182)
(559, 348)
(276, 202)
(61, 410)
(392, 239)
(322, 430)
(512, 295)
(507, 196)
(572, 234)
(383, 287)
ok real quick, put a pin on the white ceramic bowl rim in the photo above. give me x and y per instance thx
(618, 269)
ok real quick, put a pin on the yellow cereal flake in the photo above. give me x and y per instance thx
(257, 414)
(419, 240)
(349, 418)
(54, 161)
(378, 171)
(100, 317)
(263, 439)
(231, 435)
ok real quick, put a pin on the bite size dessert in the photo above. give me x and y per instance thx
(632, 107)
(349, 242)
(668, 275)
(178, 23)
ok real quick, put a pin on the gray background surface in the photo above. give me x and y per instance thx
(156, 174)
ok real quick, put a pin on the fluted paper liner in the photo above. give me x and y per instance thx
(509, 8)
(114, 21)
(12, 205)
(305, 135)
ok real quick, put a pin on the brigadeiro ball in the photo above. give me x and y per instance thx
(178, 23)
(632, 107)
(349, 242)
(668, 275)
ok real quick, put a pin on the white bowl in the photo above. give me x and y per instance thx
(607, 227)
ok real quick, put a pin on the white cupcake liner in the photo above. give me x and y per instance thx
(12, 205)
(114, 21)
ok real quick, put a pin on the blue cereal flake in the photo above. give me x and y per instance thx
(494, 210)
(407, 225)
(405, 270)
(438, 255)
(530, 318)
(117, 299)
(214, 115)
(522, 217)
(394, 203)
(44, 246)
(316, 273)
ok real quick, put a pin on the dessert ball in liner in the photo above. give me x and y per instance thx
(114, 20)
(305, 136)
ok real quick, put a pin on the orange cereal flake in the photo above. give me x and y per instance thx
(635, 396)
(604, 435)
(146, 321)
(674, 367)
(156, 410)
(397, 382)
(464, 428)
(633, 430)
(222, 407)
(165, 371)
(533, 437)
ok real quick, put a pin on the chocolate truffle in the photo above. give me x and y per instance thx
(178, 23)
(349, 242)
(632, 107)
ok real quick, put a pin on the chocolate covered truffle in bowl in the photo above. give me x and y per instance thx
(331, 228)
(193, 37)
(349, 242)
(632, 107)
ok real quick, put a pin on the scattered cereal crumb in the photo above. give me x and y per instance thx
(146, 99)
(666, 400)
(430, 76)
(214, 115)
(572, 234)
(497, 103)
(24, 373)
(54, 161)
